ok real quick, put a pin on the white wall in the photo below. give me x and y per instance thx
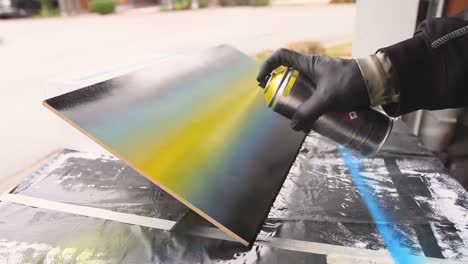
(380, 23)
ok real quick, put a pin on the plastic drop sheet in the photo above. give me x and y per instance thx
(319, 202)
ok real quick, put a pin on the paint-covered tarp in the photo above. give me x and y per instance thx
(333, 207)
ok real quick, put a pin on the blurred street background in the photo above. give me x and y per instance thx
(42, 54)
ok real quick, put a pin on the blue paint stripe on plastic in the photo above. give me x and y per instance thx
(400, 253)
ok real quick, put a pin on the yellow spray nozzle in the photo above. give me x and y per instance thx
(273, 84)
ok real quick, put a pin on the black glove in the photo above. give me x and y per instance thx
(340, 86)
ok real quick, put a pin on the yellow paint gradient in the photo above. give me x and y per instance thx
(198, 142)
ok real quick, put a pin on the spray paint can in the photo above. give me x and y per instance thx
(364, 132)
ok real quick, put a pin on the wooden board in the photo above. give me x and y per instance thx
(198, 127)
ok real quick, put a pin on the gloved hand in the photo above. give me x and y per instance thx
(340, 86)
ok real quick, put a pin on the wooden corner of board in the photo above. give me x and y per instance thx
(46, 105)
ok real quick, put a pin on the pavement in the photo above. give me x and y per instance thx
(40, 56)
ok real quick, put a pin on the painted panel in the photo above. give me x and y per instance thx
(197, 126)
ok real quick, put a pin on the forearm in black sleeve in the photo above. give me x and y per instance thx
(432, 67)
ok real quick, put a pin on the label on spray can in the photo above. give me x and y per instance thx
(363, 132)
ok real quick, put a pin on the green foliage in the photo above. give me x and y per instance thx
(103, 7)
(182, 4)
(244, 2)
(46, 4)
(202, 3)
(48, 10)
(233, 2)
(259, 2)
(45, 12)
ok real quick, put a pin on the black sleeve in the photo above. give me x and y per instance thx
(432, 67)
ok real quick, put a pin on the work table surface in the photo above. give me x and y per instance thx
(333, 206)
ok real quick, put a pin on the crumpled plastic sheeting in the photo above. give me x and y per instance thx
(100, 181)
(32, 235)
(319, 186)
(318, 203)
